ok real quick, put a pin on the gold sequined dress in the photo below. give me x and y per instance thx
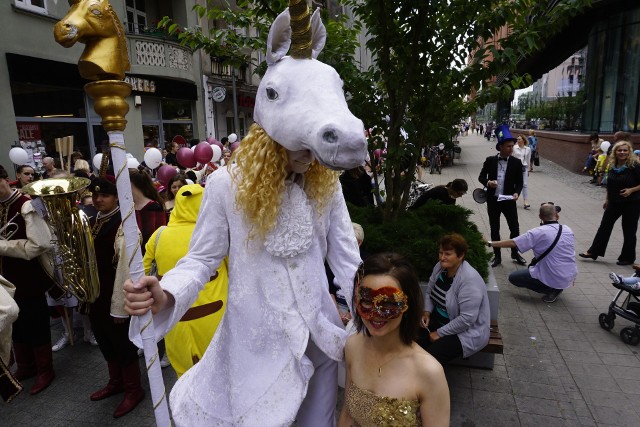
(370, 410)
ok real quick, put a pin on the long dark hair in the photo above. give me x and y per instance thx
(398, 267)
(144, 183)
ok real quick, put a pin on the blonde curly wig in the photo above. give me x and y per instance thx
(260, 173)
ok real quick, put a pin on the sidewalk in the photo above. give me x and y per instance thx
(559, 367)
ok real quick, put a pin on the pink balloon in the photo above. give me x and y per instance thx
(186, 158)
(377, 153)
(203, 152)
(165, 173)
(218, 143)
(234, 146)
(211, 140)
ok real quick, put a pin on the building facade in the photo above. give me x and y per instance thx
(43, 91)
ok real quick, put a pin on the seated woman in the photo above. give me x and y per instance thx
(456, 318)
(390, 379)
(447, 194)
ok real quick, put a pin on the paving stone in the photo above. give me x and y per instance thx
(611, 399)
(613, 416)
(535, 420)
(490, 399)
(597, 383)
(535, 405)
(525, 388)
(629, 360)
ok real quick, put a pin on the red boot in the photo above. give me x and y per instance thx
(133, 392)
(44, 366)
(114, 386)
(25, 361)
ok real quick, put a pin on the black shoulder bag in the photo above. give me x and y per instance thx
(535, 260)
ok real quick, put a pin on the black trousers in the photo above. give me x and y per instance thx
(630, 213)
(113, 338)
(444, 350)
(32, 326)
(509, 209)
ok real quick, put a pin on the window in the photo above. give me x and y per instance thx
(39, 6)
(136, 16)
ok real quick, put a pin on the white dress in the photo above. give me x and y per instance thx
(255, 372)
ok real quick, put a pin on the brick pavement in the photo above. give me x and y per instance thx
(559, 367)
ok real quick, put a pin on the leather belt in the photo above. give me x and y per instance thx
(201, 311)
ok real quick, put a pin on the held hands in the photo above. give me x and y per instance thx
(433, 336)
(515, 196)
(144, 295)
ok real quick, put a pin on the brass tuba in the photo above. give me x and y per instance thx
(74, 258)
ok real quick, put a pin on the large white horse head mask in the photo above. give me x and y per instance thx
(300, 102)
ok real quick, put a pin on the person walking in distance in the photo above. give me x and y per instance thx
(502, 175)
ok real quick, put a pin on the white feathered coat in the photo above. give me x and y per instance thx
(254, 371)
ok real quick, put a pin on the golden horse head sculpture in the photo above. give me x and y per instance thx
(94, 23)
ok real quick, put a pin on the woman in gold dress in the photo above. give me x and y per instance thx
(391, 381)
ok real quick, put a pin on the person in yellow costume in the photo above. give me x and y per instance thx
(188, 340)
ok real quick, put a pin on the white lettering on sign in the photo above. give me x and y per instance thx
(141, 85)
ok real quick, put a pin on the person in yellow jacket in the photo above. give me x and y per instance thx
(188, 340)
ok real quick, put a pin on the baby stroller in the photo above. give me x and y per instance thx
(625, 304)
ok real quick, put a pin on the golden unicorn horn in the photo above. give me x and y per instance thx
(300, 29)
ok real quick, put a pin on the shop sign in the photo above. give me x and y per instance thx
(218, 93)
(29, 131)
(141, 85)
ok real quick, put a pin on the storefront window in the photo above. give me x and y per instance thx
(47, 101)
(176, 110)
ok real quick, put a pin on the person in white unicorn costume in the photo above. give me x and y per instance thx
(277, 212)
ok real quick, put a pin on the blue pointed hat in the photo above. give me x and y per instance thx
(503, 134)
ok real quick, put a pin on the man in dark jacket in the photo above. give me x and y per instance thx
(502, 176)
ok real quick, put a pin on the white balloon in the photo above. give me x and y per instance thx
(153, 158)
(232, 138)
(129, 156)
(441, 146)
(132, 163)
(18, 156)
(217, 153)
(97, 160)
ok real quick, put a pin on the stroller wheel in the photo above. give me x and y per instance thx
(606, 321)
(630, 336)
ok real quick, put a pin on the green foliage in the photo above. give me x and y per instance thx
(561, 113)
(416, 234)
(429, 56)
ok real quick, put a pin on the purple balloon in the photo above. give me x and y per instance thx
(203, 152)
(234, 146)
(186, 158)
(211, 140)
(377, 153)
(165, 173)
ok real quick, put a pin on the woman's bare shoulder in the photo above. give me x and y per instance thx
(426, 366)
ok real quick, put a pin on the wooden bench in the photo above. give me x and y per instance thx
(495, 345)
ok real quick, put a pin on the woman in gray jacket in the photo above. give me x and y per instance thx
(456, 316)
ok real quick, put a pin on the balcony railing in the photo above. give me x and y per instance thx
(158, 51)
(220, 70)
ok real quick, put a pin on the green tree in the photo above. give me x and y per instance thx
(431, 55)
(428, 57)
